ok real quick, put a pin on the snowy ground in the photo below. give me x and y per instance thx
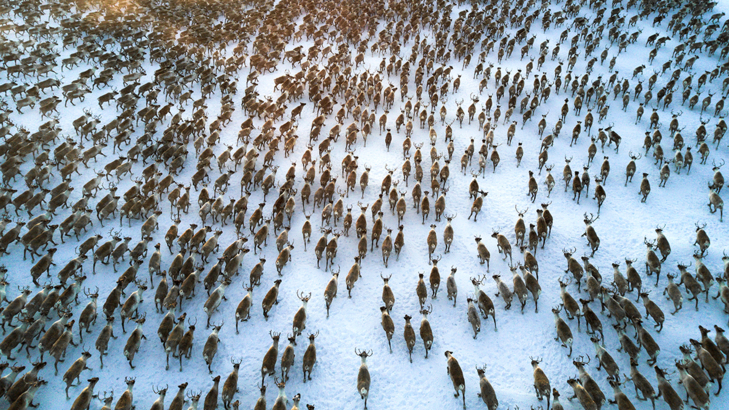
(355, 322)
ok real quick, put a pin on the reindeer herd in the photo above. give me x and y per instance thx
(345, 66)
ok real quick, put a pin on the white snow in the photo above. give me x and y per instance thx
(355, 323)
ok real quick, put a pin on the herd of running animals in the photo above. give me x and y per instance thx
(183, 38)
